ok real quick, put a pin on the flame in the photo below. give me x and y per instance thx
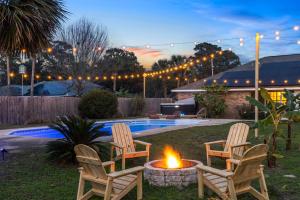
(172, 158)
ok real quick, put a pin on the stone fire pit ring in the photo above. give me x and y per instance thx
(163, 177)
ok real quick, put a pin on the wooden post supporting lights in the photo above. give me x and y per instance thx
(257, 39)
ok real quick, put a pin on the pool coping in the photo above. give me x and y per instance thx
(11, 139)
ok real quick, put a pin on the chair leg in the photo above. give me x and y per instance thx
(231, 189)
(140, 185)
(108, 189)
(80, 188)
(200, 185)
(123, 162)
(208, 160)
(262, 183)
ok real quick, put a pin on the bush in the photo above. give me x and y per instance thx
(212, 100)
(246, 111)
(98, 104)
(76, 131)
(137, 106)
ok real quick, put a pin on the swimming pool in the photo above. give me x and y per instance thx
(135, 126)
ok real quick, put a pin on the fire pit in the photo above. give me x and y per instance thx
(171, 171)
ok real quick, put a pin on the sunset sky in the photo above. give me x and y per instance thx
(148, 27)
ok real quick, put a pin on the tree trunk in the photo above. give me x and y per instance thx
(165, 88)
(8, 69)
(115, 83)
(289, 137)
(33, 58)
(271, 158)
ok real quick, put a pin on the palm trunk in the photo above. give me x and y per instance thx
(115, 83)
(289, 137)
(271, 158)
(8, 69)
(165, 88)
(33, 58)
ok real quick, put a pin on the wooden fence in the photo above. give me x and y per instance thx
(25, 110)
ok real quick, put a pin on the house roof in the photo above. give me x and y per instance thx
(275, 71)
(62, 88)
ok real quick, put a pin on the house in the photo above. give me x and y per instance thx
(276, 74)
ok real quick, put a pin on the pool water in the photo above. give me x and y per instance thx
(135, 126)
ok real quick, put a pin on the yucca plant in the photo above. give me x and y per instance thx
(75, 131)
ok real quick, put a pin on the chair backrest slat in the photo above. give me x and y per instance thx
(122, 136)
(248, 168)
(88, 159)
(238, 134)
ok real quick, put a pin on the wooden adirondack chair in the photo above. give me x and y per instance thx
(229, 184)
(234, 146)
(124, 144)
(112, 186)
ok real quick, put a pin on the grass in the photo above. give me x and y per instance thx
(27, 174)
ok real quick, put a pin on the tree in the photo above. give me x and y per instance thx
(292, 114)
(119, 62)
(161, 65)
(221, 61)
(275, 113)
(29, 25)
(89, 41)
(177, 60)
(213, 100)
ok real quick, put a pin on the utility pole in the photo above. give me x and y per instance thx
(212, 56)
(257, 39)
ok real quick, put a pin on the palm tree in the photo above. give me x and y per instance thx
(29, 25)
(292, 114)
(275, 114)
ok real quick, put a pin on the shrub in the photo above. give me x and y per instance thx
(212, 100)
(246, 111)
(76, 131)
(137, 106)
(98, 104)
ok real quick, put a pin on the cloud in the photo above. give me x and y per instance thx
(238, 16)
(145, 52)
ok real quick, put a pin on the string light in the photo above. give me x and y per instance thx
(49, 50)
(70, 78)
(285, 81)
(247, 81)
(37, 76)
(272, 81)
(49, 77)
(25, 76)
(296, 28)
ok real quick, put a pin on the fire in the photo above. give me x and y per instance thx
(172, 158)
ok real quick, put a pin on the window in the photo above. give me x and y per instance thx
(277, 97)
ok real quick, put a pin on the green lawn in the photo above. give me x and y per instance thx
(27, 174)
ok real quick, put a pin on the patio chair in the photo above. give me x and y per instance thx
(124, 144)
(234, 146)
(112, 186)
(228, 184)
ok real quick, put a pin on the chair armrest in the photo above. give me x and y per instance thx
(229, 163)
(126, 172)
(116, 145)
(238, 146)
(241, 145)
(233, 161)
(142, 143)
(215, 171)
(111, 164)
(216, 142)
